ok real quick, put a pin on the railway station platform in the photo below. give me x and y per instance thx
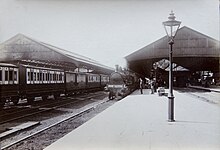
(139, 122)
(209, 89)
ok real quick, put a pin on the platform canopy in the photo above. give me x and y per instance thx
(192, 51)
(28, 50)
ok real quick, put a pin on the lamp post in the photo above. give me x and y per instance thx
(155, 69)
(171, 27)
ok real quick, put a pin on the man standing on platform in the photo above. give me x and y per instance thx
(141, 85)
(152, 86)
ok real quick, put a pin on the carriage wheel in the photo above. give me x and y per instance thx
(30, 100)
(44, 97)
(56, 96)
(15, 100)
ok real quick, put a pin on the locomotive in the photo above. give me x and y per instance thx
(25, 81)
(121, 84)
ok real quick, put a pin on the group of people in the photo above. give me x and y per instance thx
(153, 86)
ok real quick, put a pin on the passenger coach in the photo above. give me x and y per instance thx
(30, 81)
(9, 83)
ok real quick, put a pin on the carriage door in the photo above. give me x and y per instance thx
(1, 76)
(6, 72)
(15, 76)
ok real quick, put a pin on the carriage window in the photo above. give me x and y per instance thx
(51, 77)
(32, 76)
(48, 77)
(43, 76)
(54, 77)
(40, 76)
(57, 79)
(6, 75)
(10, 75)
(35, 76)
(0, 75)
(29, 76)
(81, 78)
(60, 77)
(15, 75)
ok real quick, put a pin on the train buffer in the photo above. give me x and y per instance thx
(139, 121)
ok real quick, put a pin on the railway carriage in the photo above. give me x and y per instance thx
(75, 82)
(40, 81)
(84, 82)
(29, 81)
(94, 81)
(9, 83)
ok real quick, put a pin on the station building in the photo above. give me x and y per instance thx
(195, 59)
(23, 49)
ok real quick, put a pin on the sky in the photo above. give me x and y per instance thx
(104, 30)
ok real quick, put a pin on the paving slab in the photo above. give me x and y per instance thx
(139, 122)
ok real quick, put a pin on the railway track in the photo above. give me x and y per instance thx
(47, 128)
(30, 111)
(59, 122)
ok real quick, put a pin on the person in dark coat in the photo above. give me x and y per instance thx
(141, 85)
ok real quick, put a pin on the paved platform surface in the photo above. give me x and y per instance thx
(139, 122)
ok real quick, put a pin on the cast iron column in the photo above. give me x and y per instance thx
(170, 94)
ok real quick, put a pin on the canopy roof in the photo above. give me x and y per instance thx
(26, 49)
(192, 50)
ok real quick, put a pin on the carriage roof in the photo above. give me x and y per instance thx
(7, 65)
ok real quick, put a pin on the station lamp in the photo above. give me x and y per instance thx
(171, 27)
